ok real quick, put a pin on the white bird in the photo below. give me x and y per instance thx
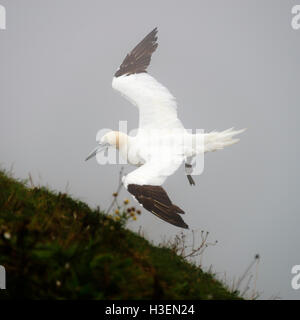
(162, 143)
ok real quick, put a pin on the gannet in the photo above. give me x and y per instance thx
(159, 147)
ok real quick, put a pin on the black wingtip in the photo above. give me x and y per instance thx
(156, 200)
(183, 225)
(139, 58)
(155, 30)
(177, 209)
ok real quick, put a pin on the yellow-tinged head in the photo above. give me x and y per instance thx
(116, 139)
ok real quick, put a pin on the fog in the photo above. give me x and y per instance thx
(229, 64)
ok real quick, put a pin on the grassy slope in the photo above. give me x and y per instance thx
(55, 247)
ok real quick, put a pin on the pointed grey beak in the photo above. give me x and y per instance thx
(96, 150)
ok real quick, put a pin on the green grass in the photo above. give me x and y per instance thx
(55, 247)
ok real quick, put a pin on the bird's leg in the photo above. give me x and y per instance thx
(189, 170)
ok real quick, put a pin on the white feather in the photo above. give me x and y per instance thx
(158, 148)
(157, 106)
(154, 172)
(218, 140)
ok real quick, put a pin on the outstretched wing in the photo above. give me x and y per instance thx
(156, 200)
(155, 171)
(157, 106)
(139, 58)
(145, 182)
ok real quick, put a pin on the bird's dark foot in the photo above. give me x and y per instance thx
(191, 180)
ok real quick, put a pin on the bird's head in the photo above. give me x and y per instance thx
(114, 139)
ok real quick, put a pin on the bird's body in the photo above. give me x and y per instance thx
(162, 143)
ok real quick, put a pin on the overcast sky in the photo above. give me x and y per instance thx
(229, 63)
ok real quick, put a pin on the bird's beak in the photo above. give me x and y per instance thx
(96, 150)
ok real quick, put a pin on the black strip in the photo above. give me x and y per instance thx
(139, 58)
(191, 180)
(156, 200)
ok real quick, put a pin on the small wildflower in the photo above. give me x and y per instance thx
(7, 235)
(117, 218)
(128, 210)
(133, 209)
(115, 194)
(138, 212)
(67, 265)
(126, 201)
(58, 283)
(117, 211)
(132, 214)
(134, 218)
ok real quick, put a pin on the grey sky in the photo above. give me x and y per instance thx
(229, 63)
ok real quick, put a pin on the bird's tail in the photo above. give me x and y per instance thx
(218, 140)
